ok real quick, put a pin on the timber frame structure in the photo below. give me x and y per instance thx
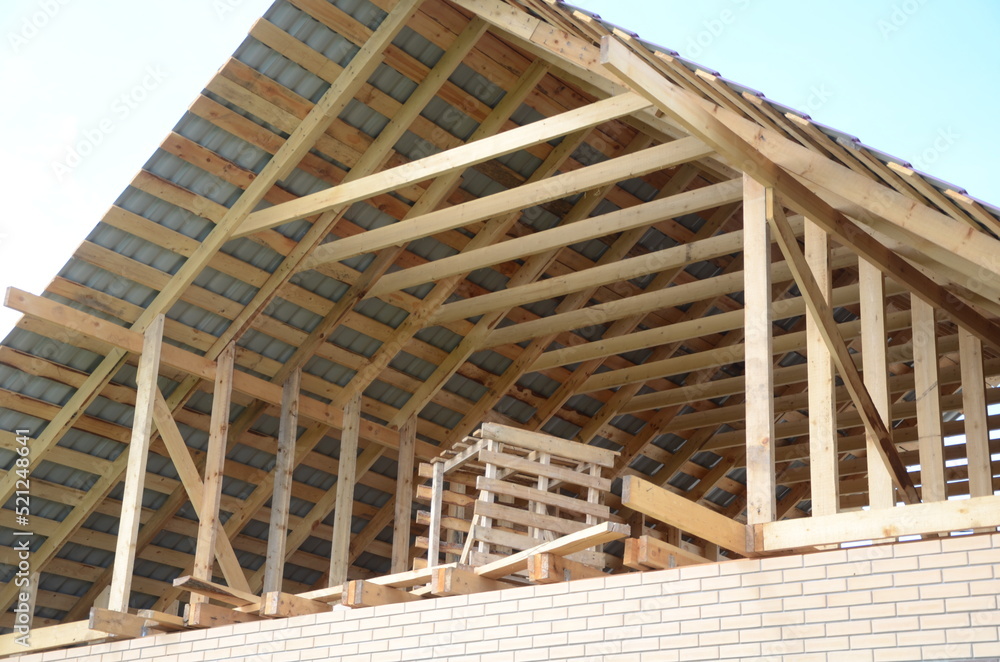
(385, 224)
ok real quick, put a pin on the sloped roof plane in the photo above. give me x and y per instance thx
(455, 211)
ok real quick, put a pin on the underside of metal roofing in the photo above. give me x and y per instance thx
(680, 425)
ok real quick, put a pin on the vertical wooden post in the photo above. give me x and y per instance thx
(761, 506)
(34, 585)
(928, 393)
(542, 484)
(977, 432)
(823, 472)
(135, 473)
(274, 568)
(215, 459)
(346, 478)
(434, 528)
(404, 497)
(881, 494)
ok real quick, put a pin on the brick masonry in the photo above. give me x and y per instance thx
(927, 600)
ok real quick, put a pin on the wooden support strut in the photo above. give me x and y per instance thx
(208, 519)
(278, 531)
(135, 475)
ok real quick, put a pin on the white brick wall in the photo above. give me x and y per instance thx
(930, 600)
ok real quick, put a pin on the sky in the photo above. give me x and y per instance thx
(95, 85)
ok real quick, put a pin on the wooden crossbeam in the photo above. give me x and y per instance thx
(453, 160)
(226, 594)
(646, 552)
(552, 568)
(449, 580)
(669, 508)
(360, 593)
(916, 519)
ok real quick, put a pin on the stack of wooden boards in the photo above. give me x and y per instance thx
(506, 490)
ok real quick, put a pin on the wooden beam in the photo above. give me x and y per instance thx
(207, 615)
(822, 401)
(453, 160)
(564, 546)
(977, 431)
(665, 506)
(434, 526)
(606, 274)
(874, 336)
(360, 593)
(928, 398)
(758, 353)
(138, 450)
(277, 537)
(404, 497)
(275, 604)
(823, 314)
(916, 519)
(210, 589)
(646, 552)
(53, 636)
(546, 443)
(346, 479)
(208, 518)
(552, 568)
(450, 580)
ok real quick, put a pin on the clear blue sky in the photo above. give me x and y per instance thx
(111, 77)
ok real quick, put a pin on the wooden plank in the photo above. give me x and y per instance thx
(135, 474)
(434, 526)
(453, 160)
(215, 459)
(53, 636)
(822, 312)
(277, 537)
(448, 497)
(544, 443)
(561, 501)
(759, 375)
(530, 467)
(449, 580)
(564, 546)
(207, 615)
(162, 621)
(346, 479)
(529, 519)
(928, 398)
(669, 508)
(118, 623)
(977, 431)
(874, 336)
(916, 519)
(276, 604)
(404, 497)
(551, 569)
(360, 593)
(647, 552)
(226, 594)
(822, 401)
(461, 458)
